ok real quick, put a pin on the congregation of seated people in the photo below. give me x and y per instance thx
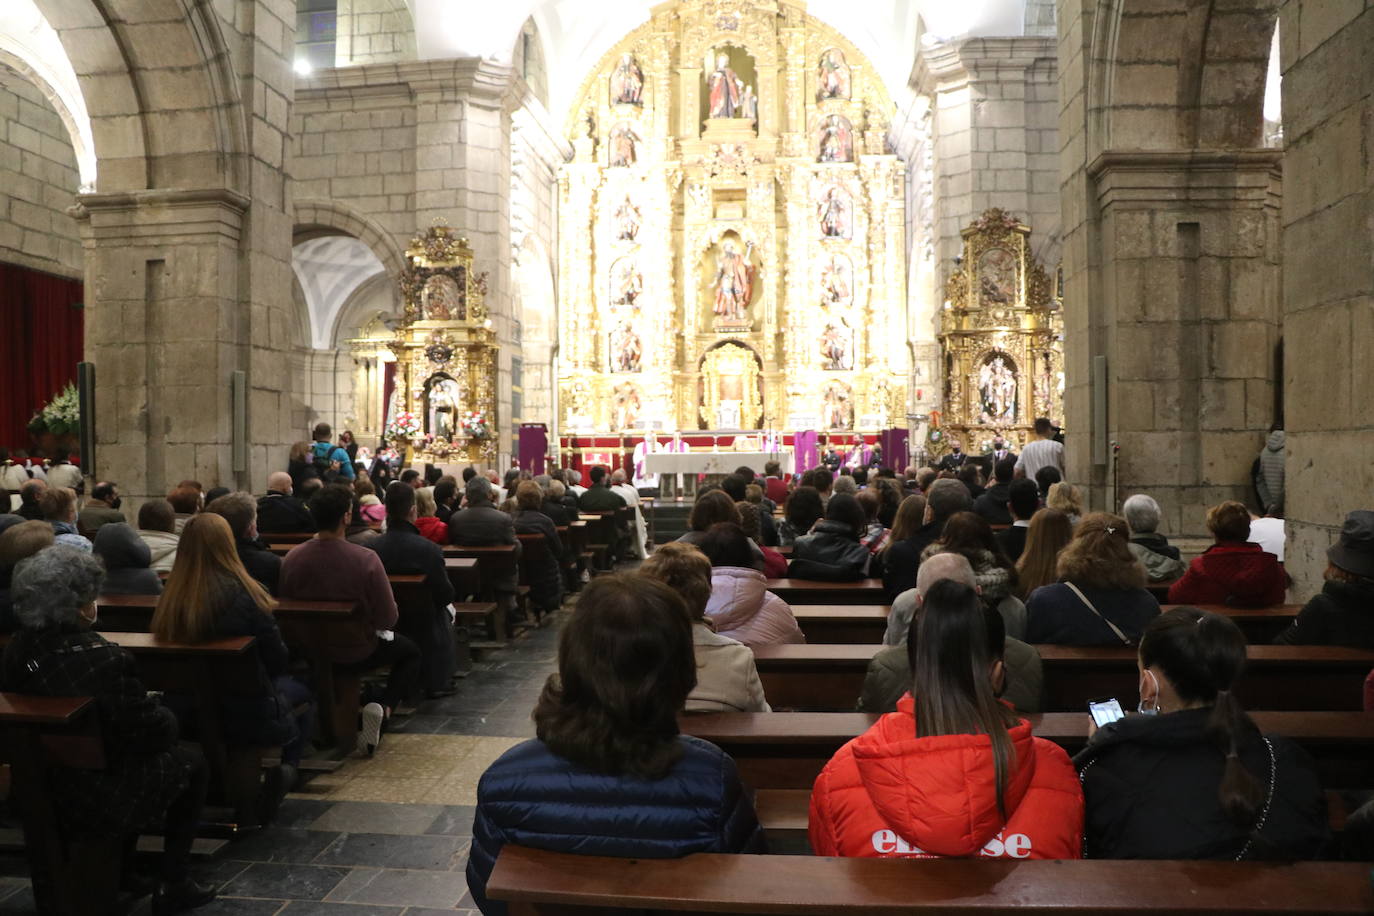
(977, 575)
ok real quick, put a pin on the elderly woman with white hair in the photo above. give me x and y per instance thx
(147, 776)
(1162, 562)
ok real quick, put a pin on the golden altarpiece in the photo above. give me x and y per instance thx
(732, 230)
(1002, 337)
(444, 405)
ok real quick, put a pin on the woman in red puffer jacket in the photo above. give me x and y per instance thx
(1231, 571)
(954, 771)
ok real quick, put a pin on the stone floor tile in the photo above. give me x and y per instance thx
(428, 853)
(229, 906)
(391, 789)
(440, 890)
(405, 766)
(285, 882)
(277, 844)
(454, 820)
(368, 817)
(300, 812)
(325, 908)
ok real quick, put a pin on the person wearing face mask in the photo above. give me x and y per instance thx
(1193, 777)
(101, 509)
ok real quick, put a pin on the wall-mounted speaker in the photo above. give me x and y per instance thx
(85, 393)
(238, 389)
(1099, 395)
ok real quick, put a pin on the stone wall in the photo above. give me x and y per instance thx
(38, 181)
(1328, 273)
(373, 32)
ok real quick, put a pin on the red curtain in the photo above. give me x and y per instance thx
(41, 341)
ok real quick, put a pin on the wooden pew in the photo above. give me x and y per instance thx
(495, 563)
(134, 613)
(866, 623)
(69, 877)
(540, 883)
(786, 750)
(1276, 677)
(808, 591)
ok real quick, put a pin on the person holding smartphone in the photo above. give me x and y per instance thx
(1193, 777)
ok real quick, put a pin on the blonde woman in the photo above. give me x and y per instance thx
(210, 595)
(1066, 498)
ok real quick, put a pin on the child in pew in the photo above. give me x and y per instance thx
(210, 595)
(888, 678)
(609, 774)
(954, 771)
(1193, 778)
(147, 776)
(727, 678)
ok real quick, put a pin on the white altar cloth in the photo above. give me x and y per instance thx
(713, 462)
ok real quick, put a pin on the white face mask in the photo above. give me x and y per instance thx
(1140, 707)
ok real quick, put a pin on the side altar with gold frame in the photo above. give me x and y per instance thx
(445, 348)
(1002, 340)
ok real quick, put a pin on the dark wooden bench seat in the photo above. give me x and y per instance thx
(538, 883)
(1276, 677)
(810, 591)
(781, 750)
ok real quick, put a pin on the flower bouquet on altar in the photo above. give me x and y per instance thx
(61, 416)
(474, 424)
(404, 427)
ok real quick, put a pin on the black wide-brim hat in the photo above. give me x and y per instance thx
(1354, 552)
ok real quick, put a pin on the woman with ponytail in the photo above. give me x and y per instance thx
(1192, 777)
(954, 771)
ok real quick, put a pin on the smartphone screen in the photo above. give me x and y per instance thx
(1105, 710)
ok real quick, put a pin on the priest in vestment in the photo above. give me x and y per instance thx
(643, 480)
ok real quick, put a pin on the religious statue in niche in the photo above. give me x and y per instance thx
(837, 288)
(443, 399)
(996, 390)
(627, 220)
(627, 283)
(726, 91)
(832, 76)
(836, 213)
(625, 406)
(627, 82)
(837, 346)
(1049, 386)
(837, 410)
(626, 349)
(623, 140)
(734, 283)
(442, 300)
(836, 140)
(997, 277)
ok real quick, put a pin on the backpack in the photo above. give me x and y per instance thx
(324, 462)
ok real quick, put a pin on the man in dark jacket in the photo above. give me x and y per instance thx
(101, 509)
(28, 500)
(127, 561)
(445, 498)
(1023, 500)
(599, 496)
(404, 551)
(1340, 614)
(279, 512)
(482, 525)
(903, 558)
(955, 459)
(992, 504)
(239, 510)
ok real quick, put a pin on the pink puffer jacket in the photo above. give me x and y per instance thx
(744, 609)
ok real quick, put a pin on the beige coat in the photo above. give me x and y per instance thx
(727, 679)
(163, 546)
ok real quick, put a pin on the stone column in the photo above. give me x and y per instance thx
(1328, 275)
(1187, 318)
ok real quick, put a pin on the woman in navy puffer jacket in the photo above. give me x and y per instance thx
(609, 775)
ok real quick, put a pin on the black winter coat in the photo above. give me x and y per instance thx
(1341, 614)
(127, 560)
(280, 514)
(264, 720)
(1055, 615)
(992, 504)
(902, 560)
(404, 551)
(539, 560)
(144, 770)
(830, 553)
(1150, 785)
(261, 563)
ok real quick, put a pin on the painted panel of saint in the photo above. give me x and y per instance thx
(733, 283)
(725, 90)
(626, 349)
(623, 150)
(837, 346)
(836, 140)
(626, 283)
(832, 76)
(837, 410)
(837, 282)
(442, 300)
(625, 406)
(836, 213)
(997, 389)
(997, 277)
(627, 82)
(627, 220)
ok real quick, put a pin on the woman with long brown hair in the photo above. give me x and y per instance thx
(1100, 598)
(1050, 532)
(954, 771)
(210, 595)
